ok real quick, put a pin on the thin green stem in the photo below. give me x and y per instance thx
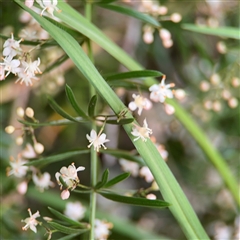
(93, 195)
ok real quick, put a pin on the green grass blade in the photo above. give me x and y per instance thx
(229, 32)
(117, 179)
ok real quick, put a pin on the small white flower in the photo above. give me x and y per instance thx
(11, 47)
(31, 221)
(69, 175)
(161, 91)
(26, 78)
(146, 173)
(31, 68)
(17, 167)
(75, 210)
(97, 140)
(11, 66)
(141, 132)
(49, 5)
(43, 181)
(129, 166)
(140, 103)
(101, 229)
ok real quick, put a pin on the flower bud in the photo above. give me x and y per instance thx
(208, 105)
(235, 82)
(162, 10)
(29, 3)
(19, 140)
(221, 47)
(65, 194)
(216, 106)
(164, 34)
(176, 17)
(29, 112)
(20, 112)
(151, 196)
(39, 148)
(180, 94)
(148, 37)
(167, 43)
(215, 79)
(22, 187)
(9, 129)
(232, 102)
(226, 94)
(204, 86)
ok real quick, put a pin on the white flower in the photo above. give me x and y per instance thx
(31, 68)
(11, 47)
(146, 173)
(75, 210)
(26, 78)
(141, 132)
(97, 140)
(49, 5)
(31, 221)
(161, 91)
(65, 194)
(69, 175)
(101, 229)
(129, 166)
(43, 181)
(140, 103)
(11, 66)
(17, 167)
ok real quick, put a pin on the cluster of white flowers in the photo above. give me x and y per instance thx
(18, 62)
(69, 176)
(159, 92)
(159, 13)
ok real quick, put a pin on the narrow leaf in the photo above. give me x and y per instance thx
(132, 13)
(59, 110)
(66, 219)
(59, 122)
(134, 200)
(119, 122)
(56, 158)
(117, 179)
(229, 32)
(92, 105)
(74, 103)
(133, 74)
(104, 180)
(66, 230)
(104, 1)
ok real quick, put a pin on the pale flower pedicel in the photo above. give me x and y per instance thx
(31, 221)
(161, 91)
(141, 132)
(97, 140)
